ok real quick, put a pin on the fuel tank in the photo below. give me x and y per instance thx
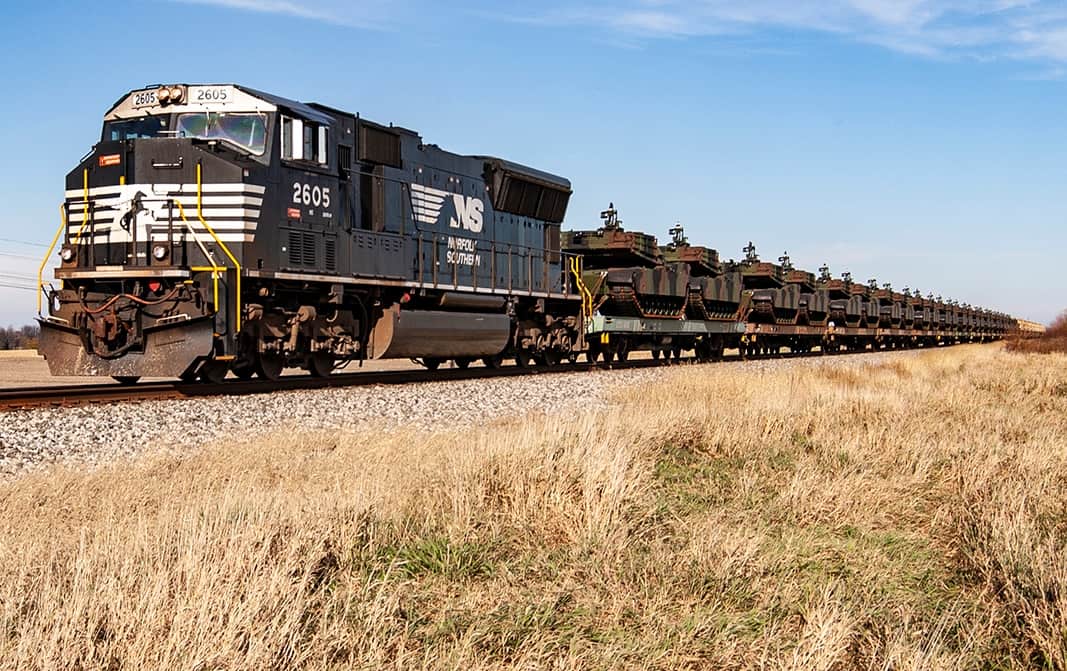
(410, 334)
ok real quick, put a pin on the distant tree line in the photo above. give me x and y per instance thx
(15, 337)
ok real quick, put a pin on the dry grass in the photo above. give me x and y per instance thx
(1054, 339)
(905, 516)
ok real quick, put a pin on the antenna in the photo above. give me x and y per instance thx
(678, 235)
(611, 218)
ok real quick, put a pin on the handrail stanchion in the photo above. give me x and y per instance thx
(44, 262)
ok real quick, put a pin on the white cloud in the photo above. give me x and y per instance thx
(355, 14)
(980, 29)
(1033, 30)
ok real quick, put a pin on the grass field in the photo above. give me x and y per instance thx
(910, 515)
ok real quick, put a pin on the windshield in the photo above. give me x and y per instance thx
(152, 126)
(248, 130)
(244, 129)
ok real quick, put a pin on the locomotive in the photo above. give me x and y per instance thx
(218, 229)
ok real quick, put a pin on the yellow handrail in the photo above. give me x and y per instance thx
(587, 298)
(44, 262)
(233, 259)
(213, 269)
(85, 207)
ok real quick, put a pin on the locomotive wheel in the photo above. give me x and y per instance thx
(214, 372)
(321, 364)
(655, 355)
(623, 354)
(432, 364)
(549, 359)
(463, 364)
(244, 372)
(126, 379)
(269, 366)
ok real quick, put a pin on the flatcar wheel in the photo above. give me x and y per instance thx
(321, 364)
(432, 364)
(492, 361)
(269, 366)
(523, 359)
(655, 355)
(126, 379)
(463, 364)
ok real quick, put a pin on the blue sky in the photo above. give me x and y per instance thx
(921, 142)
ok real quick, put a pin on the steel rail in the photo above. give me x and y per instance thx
(20, 398)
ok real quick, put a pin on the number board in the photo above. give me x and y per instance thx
(199, 95)
(145, 98)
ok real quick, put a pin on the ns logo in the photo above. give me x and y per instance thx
(428, 202)
(468, 213)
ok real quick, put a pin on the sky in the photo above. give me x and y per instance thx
(919, 142)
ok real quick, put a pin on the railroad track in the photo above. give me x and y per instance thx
(96, 394)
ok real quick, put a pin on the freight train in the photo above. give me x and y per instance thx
(217, 229)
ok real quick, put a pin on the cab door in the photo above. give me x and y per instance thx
(311, 192)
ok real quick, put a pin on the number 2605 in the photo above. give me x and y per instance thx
(306, 194)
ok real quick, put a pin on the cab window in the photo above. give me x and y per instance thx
(133, 129)
(304, 141)
(244, 129)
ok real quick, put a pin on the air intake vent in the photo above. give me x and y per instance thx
(378, 145)
(330, 256)
(309, 250)
(302, 249)
(344, 158)
(296, 247)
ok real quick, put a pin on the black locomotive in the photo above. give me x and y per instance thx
(217, 228)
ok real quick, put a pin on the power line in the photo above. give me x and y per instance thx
(12, 276)
(20, 256)
(23, 242)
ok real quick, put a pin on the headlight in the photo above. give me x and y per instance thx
(176, 94)
(159, 252)
(163, 95)
(67, 254)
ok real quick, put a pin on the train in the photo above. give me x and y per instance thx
(216, 229)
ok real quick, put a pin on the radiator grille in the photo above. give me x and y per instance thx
(330, 257)
(301, 249)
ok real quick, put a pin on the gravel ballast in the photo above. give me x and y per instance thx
(93, 435)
